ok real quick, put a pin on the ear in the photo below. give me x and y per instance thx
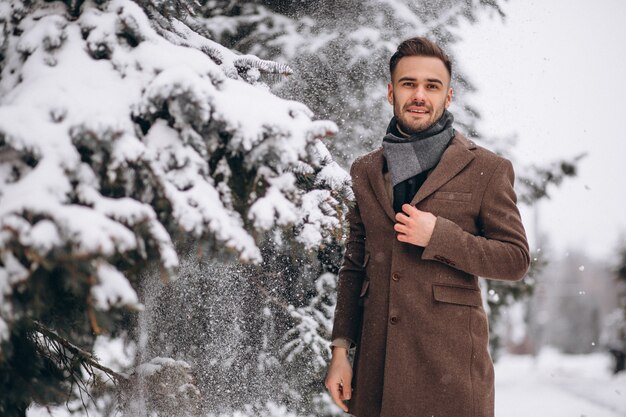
(449, 98)
(390, 93)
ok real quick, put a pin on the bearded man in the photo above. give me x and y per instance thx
(433, 211)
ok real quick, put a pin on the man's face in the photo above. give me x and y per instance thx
(419, 92)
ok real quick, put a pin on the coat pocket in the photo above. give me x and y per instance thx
(457, 295)
(452, 196)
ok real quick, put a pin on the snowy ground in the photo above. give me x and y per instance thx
(557, 385)
(549, 385)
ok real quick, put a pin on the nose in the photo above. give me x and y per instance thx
(419, 94)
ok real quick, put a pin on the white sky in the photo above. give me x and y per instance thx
(553, 72)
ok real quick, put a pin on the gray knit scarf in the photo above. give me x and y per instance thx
(408, 157)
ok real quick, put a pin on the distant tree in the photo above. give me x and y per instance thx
(620, 273)
(574, 297)
(614, 331)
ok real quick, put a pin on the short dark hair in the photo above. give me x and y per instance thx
(419, 46)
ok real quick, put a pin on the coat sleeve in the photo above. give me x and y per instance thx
(500, 251)
(351, 275)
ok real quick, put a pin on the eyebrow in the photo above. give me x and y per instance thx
(430, 80)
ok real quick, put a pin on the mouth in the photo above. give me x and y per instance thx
(416, 110)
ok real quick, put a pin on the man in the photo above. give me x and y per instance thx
(433, 212)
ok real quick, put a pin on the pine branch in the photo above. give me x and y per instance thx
(88, 361)
(534, 186)
(267, 67)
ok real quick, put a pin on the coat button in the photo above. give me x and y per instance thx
(394, 320)
(395, 276)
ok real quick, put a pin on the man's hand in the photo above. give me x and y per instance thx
(339, 377)
(414, 226)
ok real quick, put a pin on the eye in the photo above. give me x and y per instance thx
(432, 86)
(408, 84)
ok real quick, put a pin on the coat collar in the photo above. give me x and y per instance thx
(454, 159)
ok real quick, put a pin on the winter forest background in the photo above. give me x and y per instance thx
(173, 188)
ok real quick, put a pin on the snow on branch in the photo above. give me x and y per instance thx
(309, 338)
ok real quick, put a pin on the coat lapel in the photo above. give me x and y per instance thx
(453, 160)
(377, 182)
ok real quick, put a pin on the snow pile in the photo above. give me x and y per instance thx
(269, 409)
(558, 385)
(117, 136)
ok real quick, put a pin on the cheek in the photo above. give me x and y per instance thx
(444, 102)
(397, 104)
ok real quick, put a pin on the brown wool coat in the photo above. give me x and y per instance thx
(416, 314)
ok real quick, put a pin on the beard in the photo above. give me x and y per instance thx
(411, 126)
(410, 129)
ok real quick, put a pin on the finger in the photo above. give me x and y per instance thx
(336, 395)
(409, 209)
(347, 393)
(400, 228)
(402, 237)
(402, 218)
(344, 391)
(339, 401)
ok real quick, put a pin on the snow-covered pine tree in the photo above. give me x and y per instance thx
(340, 52)
(124, 135)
